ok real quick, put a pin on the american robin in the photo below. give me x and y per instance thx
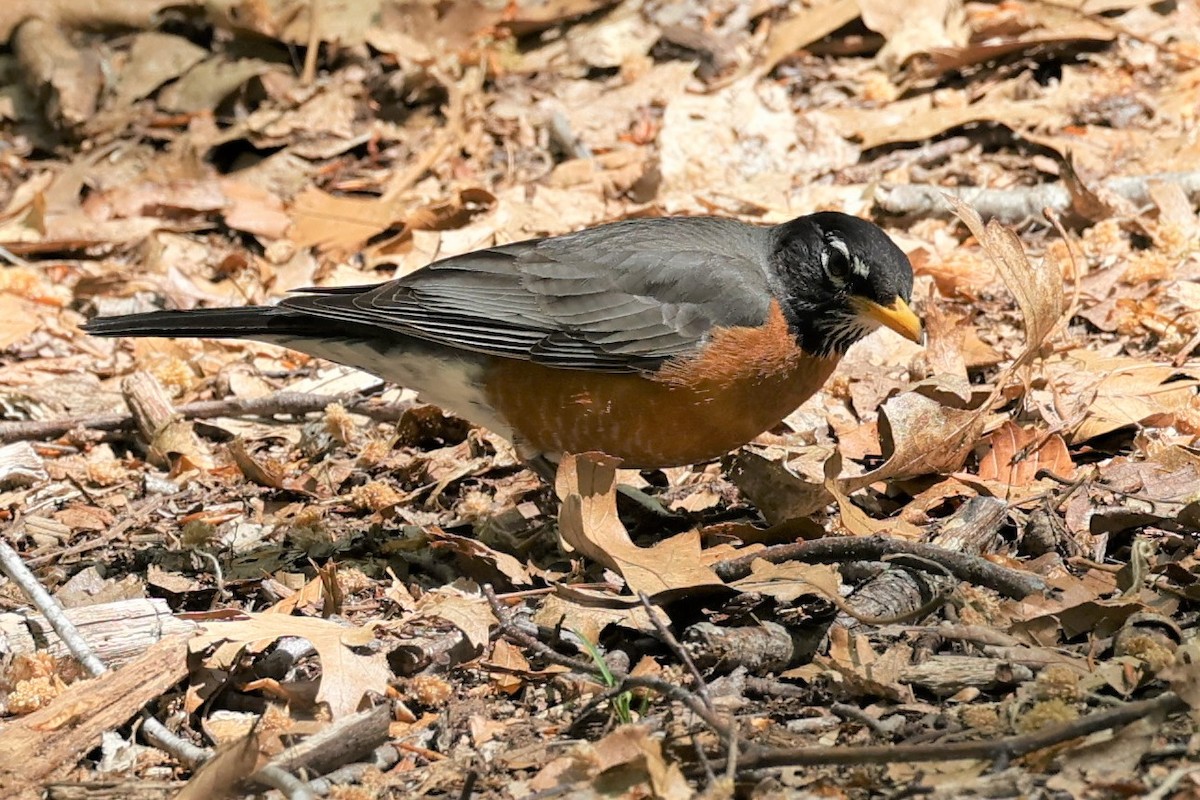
(660, 341)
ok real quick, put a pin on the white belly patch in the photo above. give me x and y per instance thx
(438, 375)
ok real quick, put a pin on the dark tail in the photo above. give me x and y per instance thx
(213, 323)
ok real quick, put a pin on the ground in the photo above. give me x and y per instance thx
(963, 569)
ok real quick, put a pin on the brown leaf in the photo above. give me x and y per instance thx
(790, 580)
(806, 26)
(511, 659)
(205, 85)
(1102, 394)
(263, 473)
(339, 224)
(589, 613)
(17, 320)
(588, 523)
(219, 776)
(1015, 454)
(154, 59)
(346, 673)
(474, 550)
(69, 78)
(1039, 292)
(1184, 676)
(254, 210)
(914, 27)
(920, 436)
(462, 606)
(775, 490)
(628, 757)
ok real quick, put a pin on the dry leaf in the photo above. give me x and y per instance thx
(914, 27)
(219, 776)
(154, 59)
(775, 490)
(589, 613)
(1099, 394)
(346, 674)
(339, 224)
(1014, 455)
(588, 523)
(513, 661)
(920, 436)
(628, 757)
(463, 606)
(790, 580)
(474, 550)
(1039, 292)
(808, 25)
(17, 320)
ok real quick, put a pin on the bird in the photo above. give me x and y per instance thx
(663, 341)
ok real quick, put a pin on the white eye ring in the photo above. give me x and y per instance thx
(838, 276)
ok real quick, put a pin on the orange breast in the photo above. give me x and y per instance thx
(693, 409)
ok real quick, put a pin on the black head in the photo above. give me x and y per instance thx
(839, 278)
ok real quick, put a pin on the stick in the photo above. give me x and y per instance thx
(835, 550)
(995, 750)
(1018, 205)
(292, 403)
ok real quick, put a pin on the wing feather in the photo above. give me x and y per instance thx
(620, 298)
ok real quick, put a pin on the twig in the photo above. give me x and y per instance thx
(513, 632)
(669, 639)
(1024, 203)
(292, 787)
(994, 750)
(156, 733)
(834, 550)
(847, 711)
(291, 403)
(383, 758)
(19, 574)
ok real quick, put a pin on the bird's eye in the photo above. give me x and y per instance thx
(835, 258)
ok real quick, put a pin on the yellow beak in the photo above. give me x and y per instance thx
(898, 316)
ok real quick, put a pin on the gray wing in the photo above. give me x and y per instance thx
(622, 297)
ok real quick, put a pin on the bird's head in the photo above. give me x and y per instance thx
(839, 278)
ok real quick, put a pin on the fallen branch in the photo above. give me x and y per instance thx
(999, 751)
(972, 530)
(837, 549)
(289, 403)
(1019, 204)
(157, 733)
(510, 630)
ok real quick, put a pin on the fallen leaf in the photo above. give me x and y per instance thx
(790, 580)
(1039, 292)
(588, 522)
(920, 436)
(154, 59)
(589, 613)
(220, 775)
(463, 606)
(474, 550)
(628, 757)
(1014, 455)
(915, 27)
(339, 224)
(205, 85)
(1100, 394)
(775, 490)
(17, 320)
(505, 655)
(346, 673)
(807, 25)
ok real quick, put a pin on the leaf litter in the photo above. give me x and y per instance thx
(1048, 433)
